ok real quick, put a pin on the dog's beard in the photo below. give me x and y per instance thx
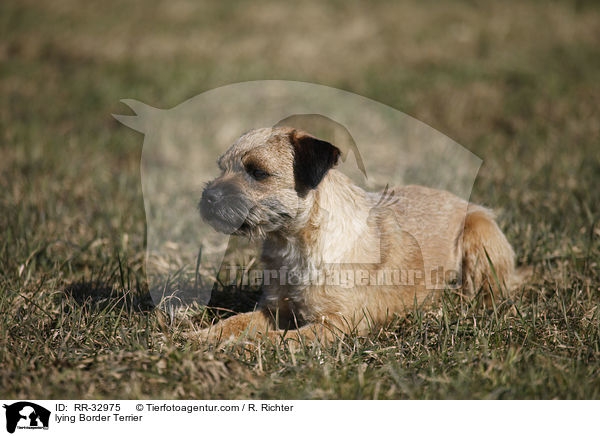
(267, 217)
(236, 217)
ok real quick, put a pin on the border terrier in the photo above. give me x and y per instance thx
(279, 184)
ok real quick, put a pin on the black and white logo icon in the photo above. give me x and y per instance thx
(26, 415)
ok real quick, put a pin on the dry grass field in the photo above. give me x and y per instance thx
(517, 83)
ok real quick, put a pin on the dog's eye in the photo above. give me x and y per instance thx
(258, 174)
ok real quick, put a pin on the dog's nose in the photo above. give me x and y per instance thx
(213, 195)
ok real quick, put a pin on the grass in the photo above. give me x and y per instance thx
(516, 83)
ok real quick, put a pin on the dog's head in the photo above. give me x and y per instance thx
(266, 178)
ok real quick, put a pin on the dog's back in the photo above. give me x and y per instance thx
(454, 236)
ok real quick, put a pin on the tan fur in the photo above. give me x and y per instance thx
(337, 226)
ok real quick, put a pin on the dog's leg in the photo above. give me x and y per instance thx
(488, 258)
(249, 323)
(260, 325)
(325, 331)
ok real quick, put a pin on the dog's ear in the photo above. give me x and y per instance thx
(312, 159)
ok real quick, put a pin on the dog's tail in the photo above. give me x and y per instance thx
(488, 258)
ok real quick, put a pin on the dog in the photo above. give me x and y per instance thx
(280, 185)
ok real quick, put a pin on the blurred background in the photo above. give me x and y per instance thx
(517, 83)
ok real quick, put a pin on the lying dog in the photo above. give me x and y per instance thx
(278, 184)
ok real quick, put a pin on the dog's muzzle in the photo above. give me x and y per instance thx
(224, 207)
